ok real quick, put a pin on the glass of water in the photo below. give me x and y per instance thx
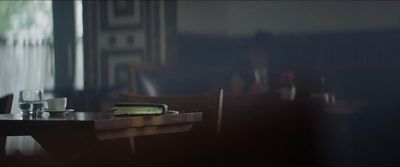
(31, 102)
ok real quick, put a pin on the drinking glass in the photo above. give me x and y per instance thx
(31, 102)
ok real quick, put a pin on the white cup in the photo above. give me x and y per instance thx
(56, 103)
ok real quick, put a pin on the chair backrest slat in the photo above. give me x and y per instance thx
(6, 104)
(5, 108)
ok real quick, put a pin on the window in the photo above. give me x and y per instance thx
(26, 46)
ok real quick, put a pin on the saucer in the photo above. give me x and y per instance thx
(53, 113)
(58, 111)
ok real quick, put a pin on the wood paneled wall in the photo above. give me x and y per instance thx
(119, 33)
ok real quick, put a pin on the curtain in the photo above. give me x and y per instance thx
(25, 66)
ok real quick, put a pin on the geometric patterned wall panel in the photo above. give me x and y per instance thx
(120, 33)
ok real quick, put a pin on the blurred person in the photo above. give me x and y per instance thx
(253, 77)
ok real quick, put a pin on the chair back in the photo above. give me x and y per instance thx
(210, 104)
(271, 131)
(6, 104)
(5, 108)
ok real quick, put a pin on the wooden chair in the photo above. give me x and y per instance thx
(134, 74)
(168, 149)
(262, 129)
(6, 103)
(5, 107)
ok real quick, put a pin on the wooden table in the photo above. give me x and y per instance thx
(76, 131)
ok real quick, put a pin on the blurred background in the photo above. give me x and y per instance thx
(91, 51)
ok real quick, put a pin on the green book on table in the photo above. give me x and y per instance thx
(129, 109)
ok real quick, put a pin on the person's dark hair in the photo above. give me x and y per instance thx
(263, 39)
